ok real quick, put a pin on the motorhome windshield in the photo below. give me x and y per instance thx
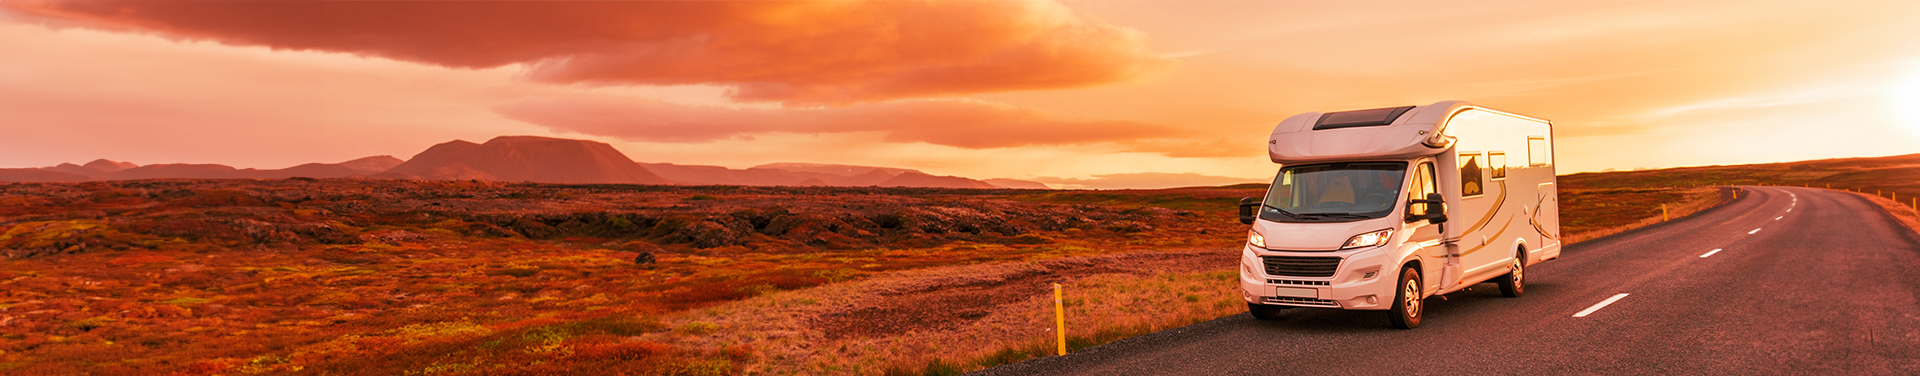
(1334, 192)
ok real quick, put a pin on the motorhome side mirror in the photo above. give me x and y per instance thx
(1246, 210)
(1436, 209)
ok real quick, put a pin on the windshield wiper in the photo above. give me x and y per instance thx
(1335, 215)
(1287, 213)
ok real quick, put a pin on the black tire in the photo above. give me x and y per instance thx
(1265, 312)
(1514, 283)
(1408, 305)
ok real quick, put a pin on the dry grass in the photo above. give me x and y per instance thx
(356, 277)
(1902, 211)
(782, 328)
(1587, 214)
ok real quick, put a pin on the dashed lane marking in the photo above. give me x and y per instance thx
(1754, 231)
(1716, 250)
(1598, 306)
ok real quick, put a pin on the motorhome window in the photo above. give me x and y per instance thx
(1360, 118)
(1423, 183)
(1471, 183)
(1497, 163)
(1334, 192)
(1537, 153)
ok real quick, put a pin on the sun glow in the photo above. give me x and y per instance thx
(1902, 98)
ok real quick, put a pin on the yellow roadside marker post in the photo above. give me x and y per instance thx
(1060, 319)
(1663, 212)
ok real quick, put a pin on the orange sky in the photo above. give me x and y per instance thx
(1085, 93)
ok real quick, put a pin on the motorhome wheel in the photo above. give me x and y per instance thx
(1407, 305)
(1514, 283)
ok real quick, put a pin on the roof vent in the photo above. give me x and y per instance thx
(1360, 118)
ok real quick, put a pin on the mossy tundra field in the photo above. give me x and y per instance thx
(343, 276)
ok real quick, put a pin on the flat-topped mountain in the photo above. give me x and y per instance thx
(525, 158)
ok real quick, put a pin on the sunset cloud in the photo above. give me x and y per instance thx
(796, 53)
(959, 123)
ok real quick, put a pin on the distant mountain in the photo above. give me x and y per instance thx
(713, 175)
(176, 171)
(1016, 183)
(869, 178)
(812, 174)
(372, 165)
(917, 179)
(525, 158)
(832, 169)
(102, 169)
(73, 169)
(109, 166)
(310, 170)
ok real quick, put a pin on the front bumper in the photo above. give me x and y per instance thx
(1364, 280)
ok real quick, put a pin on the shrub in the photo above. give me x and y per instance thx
(696, 328)
(90, 324)
(183, 301)
(622, 351)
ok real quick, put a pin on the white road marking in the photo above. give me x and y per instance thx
(1715, 250)
(1601, 304)
(1754, 231)
(1779, 217)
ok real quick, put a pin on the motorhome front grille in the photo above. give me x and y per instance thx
(1301, 301)
(1302, 266)
(1301, 283)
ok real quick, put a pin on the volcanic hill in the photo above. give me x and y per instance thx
(525, 158)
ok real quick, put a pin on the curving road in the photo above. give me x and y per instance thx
(1799, 281)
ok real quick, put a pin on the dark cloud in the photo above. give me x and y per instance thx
(803, 53)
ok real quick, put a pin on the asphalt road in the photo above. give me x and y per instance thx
(1806, 281)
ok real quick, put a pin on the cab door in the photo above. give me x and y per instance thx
(1426, 233)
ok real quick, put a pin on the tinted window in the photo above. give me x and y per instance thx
(1497, 163)
(1360, 118)
(1471, 183)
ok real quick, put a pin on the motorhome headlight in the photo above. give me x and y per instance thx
(1257, 241)
(1368, 239)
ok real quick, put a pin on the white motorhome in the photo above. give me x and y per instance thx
(1379, 209)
